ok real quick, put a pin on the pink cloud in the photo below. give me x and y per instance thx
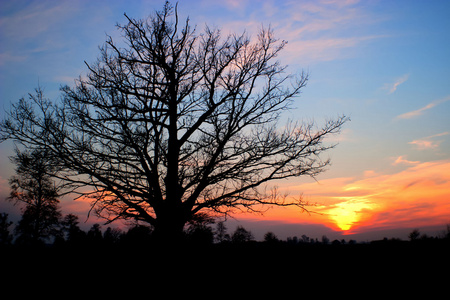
(427, 142)
(393, 87)
(401, 160)
(420, 111)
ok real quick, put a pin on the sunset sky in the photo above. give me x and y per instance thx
(385, 64)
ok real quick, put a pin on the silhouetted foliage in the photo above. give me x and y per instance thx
(414, 235)
(32, 186)
(270, 238)
(5, 235)
(198, 230)
(137, 249)
(292, 240)
(112, 235)
(138, 235)
(241, 235)
(336, 242)
(94, 235)
(305, 239)
(174, 123)
(446, 233)
(221, 235)
(325, 240)
(71, 231)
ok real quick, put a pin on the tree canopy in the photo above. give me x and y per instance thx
(172, 122)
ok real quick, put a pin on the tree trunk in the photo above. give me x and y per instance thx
(169, 227)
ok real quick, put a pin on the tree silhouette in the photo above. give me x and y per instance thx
(221, 233)
(112, 235)
(138, 236)
(198, 230)
(32, 185)
(270, 237)
(5, 235)
(414, 235)
(241, 235)
(71, 230)
(94, 235)
(174, 123)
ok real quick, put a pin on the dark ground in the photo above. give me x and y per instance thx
(282, 256)
(395, 268)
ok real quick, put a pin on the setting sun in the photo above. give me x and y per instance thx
(346, 213)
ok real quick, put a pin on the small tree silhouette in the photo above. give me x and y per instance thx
(94, 235)
(72, 232)
(5, 235)
(414, 235)
(270, 237)
(221, 233)
(198, 229)
(325, 240)
(241, 235)
(32, 185)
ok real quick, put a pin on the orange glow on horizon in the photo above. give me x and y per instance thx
(419, 195)
(416, 196)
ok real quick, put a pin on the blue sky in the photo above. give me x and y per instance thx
(386, 64)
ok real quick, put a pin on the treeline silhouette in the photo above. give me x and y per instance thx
(209, 251)
(200, 232)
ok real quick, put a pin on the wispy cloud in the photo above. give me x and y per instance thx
(325, 49)
(420, 111)
(322, 30)
(401, 160)
(235, 4)
(417, 112)
(392, 87)
(36, 18)
(427, 142)
(10, 57)
(36, 27)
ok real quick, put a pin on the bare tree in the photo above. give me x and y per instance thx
(414, 235)
(174, 122)
(33, 186)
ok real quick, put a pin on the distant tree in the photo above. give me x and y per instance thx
(112, 235)
(71, 230)
(325, 240)
(270, 237)
(221, 234)
(446, 233)
(414, 235)
(241, 235)
(5, 236)
(200, 220)
(292, 240)
(95, 235)
(198, 229)
(33, 186)
(171, 123)
(138, 236)
(305, 239)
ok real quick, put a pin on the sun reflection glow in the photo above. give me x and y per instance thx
(347, 213)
